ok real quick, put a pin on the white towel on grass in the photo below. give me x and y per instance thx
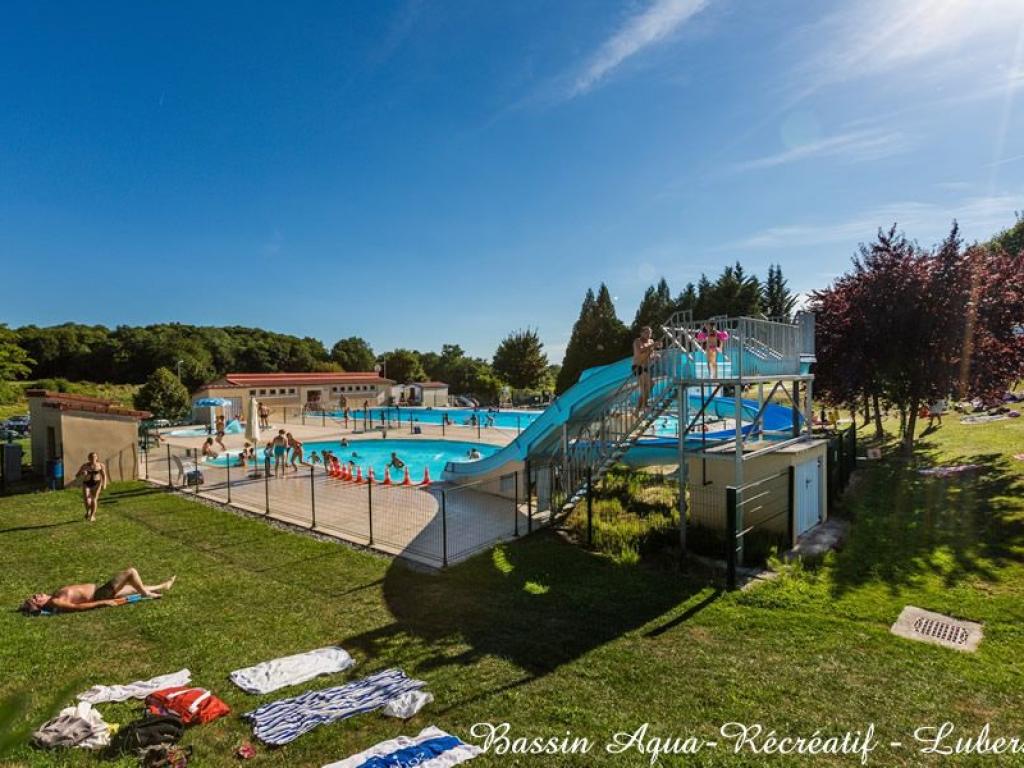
(140, 689)
(432, 748)
(291, 670)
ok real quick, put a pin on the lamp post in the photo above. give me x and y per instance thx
(178, 366)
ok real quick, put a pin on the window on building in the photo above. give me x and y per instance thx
(252, 391)
(263, 391)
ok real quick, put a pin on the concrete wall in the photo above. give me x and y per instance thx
(78, 433)
(434, 398)
(299, 398)
(709, 481)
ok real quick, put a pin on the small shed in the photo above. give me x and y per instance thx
(431, 394)
(70, 427)
(791, 479)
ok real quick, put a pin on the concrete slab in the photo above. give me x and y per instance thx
(820, 539)
(938, 629)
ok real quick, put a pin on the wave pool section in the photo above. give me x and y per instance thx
(418, 454)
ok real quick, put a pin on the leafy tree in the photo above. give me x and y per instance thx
(163, 395)
(14, 361)
(655, 308)
(777, 300)
(910, 325)
(353, 354)
(403, 365)
(598, 338)
(733, 294)
(520, 359)
(1011, 240)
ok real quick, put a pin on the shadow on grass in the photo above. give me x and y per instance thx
(539, 603)
(907, 526)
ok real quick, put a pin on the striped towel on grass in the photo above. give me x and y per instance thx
(283, 721)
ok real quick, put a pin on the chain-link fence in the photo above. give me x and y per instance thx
(401, 421)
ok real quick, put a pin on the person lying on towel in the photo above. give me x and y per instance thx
(85, 597)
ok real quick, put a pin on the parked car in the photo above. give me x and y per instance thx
(19, 424)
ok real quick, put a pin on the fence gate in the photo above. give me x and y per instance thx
(806, 496)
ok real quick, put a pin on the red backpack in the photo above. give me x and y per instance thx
(192, 705)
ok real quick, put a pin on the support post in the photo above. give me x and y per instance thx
(809, 408)
(444, 529)
(229, 477)
(515, 506)
(683, 469)
(266, 482)
(196, 473)
(791, 505)
(529, 500)
(731, 543)
(738, 416)
(146, 443)
(170, 482)
(369, 507)
(795, 398)
(312, 498)
(590, 508)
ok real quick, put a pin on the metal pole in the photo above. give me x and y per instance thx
(444, 529)
(808, 407)
(478, 427)
(515, 508)
(229, 478)
(529, 500)
(732, 527)
(590, 508)
(795, 400)
(791, 530)
(738, 415)
(312, 498)
(147, 453)
(170, 483)
(266, 482)
(684, 469)
(369, 506)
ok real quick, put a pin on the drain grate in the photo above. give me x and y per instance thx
(927, 627)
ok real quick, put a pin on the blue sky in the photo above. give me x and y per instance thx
(427, 172)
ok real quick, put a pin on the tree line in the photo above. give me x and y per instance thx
(600, 337)
(199, 354)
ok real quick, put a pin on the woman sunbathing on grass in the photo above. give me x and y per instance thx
(85, 597)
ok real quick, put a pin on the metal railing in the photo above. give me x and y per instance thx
(432, 524)
(754, 347)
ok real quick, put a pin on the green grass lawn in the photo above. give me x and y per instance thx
(543, 634)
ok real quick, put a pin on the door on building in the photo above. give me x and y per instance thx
(806, 496)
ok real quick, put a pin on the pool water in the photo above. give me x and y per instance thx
(418, 454)
(458, 417)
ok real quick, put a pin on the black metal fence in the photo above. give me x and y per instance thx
(435, 524)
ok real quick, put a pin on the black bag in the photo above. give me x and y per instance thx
(150, 731)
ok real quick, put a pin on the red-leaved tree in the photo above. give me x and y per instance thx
(910, 325)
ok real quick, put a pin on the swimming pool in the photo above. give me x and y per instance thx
(233, 427)
(458, 417)
(377, 453)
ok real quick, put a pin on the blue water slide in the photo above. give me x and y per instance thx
(594, 387)
(589, 395)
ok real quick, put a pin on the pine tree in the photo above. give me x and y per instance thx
(777, 300)
(598, 338)
(655, 308)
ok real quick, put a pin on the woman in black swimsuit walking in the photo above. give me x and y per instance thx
(94, 480)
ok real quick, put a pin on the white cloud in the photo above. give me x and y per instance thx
(856, 145)
(653, 25)
(979, 218)
(878, 36)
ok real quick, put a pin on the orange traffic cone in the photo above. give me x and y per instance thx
(406, 480)
(359, 475)
(346, 472)
(387, 476)
(426, 476)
